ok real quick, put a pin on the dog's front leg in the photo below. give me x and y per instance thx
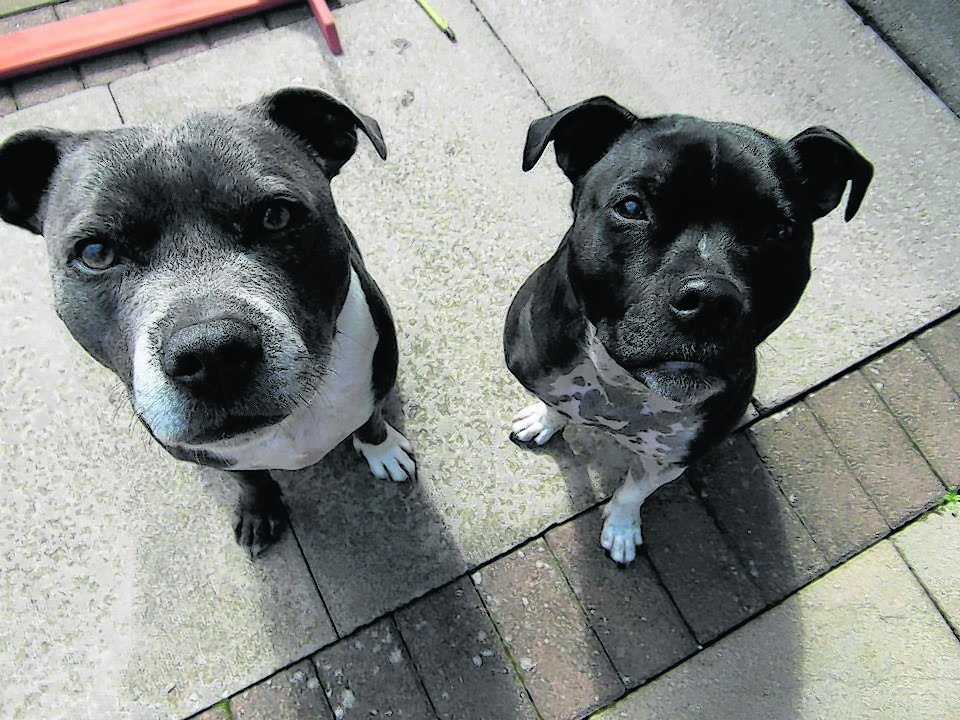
(387, 452)
(262, 514)
(621, 533)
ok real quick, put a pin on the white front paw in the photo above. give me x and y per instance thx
(392, 458)
(537, 422)
(621, 532)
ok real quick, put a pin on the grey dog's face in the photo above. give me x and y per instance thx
(205, 264)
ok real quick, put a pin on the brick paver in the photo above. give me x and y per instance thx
(73, 8)
(31, 18)
(931, 548)
(234, 30)
(291, 694)
(862, 643)
(941, 344)
(174, 48)
(36, 89)
(7, 103)
(560, 660)
(106, 69)
(774, 547)
(464, 666)
(817, 482)
(629, 610)
(924, 403)
(702, 573)
(877, 449)
(370, 675)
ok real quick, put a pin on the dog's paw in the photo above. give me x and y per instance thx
(260, 525)
(393, 458)
(537, 423)
(621, 534)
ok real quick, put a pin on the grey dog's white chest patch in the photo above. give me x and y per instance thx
(600, 393)
(342, 403)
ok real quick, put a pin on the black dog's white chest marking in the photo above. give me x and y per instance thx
(598, 392)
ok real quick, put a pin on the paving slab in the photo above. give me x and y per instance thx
(559, 658)
(860, 643)
(876, 448)
(772, 544)
(931, 547)
(781, 68)
(628, 608)
(461, 659)
(923, 402)
(836, 511)
(124, 591)
(292, 694)
(370, 674)
(941, 344)
(450, 229)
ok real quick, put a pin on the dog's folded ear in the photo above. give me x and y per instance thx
(28, 160)
(327, 125)
(581, 134)
(827, 162)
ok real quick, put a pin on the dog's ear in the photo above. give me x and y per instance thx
(28, 160)
(324, 123)
(581, 134)
(827, 162)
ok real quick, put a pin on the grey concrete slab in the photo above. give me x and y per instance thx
(931, 547)
(927, 34)
(781, 67)
(450, 227)
(863, 642)
(124, 593)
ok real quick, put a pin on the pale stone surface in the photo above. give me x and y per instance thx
(931, 547)
(124, 593)
(450, 227)
(862, 642)
(781, 67)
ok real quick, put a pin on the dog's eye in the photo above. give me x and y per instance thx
(96, 255)
(782, 233)
(630, 208)
(276, 216)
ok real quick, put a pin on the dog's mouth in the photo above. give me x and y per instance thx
(233, 427)
(682, 380)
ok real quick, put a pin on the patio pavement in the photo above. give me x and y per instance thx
(786, 576)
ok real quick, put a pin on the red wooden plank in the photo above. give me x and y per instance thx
(58, 43)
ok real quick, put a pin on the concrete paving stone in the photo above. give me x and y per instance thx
(449, 275)
(14, 7)
(460, 658)
(287, 15)
(74, 8)
(234, 30)
(781, 68)
(31, 18)
(106, 69)
(925, 33)
(926, 406)
(863, 642)
(560, 659)
(773, 545)
(628, 609)
(291, 694)
(123, 590)
(7, 104)
(704, 577)
(931, 547)
(45, 86)
(174, 48)
(370, 674)
(941, 344)
(876, 448)
(833, 506)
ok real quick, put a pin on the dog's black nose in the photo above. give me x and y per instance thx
(710, 303)
(213, 358)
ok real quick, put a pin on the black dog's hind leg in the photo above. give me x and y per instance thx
(262, 516)
(387, 452)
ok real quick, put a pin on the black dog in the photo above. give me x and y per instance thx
(207, 266)
(690, 244)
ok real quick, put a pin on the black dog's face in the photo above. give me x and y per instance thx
(690, 241)
(205, 264)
